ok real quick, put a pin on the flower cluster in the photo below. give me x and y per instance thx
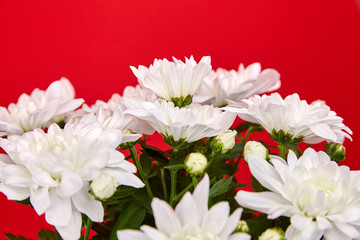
(97, 166)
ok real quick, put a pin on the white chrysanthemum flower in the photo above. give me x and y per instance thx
(320, 197)
(173, 80)
(191, 220)
(188, 124)
(140, 93)
(310, 123)
(40, 109)
(111, 116)
(55, 168)
(234, 85)
(108, 119)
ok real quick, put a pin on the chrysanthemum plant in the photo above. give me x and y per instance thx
(99, 171)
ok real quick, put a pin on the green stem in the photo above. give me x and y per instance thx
(163, 182)
(247, 134)
(173, 175)
(211, 159)
(141, 172)
(184, 191)
(238, 161)
(240, 137)
(195, 181)
(87, 228)
(282, 151)
(175, 157)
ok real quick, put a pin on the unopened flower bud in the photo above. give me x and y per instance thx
(256, 148)
(104, 186)
(129, 139)
(336, 151)
(195, 163)
(242, 227)
(272, 234)
(223, 142)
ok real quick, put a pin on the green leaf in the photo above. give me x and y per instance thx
(145, 162)
(44, 234)
(130, 218)
(10, 236)
(121, 192)
(221, 187)
(236, 185)
(141, 197)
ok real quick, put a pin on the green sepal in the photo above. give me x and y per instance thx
(285, 139)
(181, 143)
(182, 101)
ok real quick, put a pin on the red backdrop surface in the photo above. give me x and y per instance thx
(315, 45)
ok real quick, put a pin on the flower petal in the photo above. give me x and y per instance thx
(186, 210)
(40, 199)
(60, 211)
(165, 218)
(153, 233)
(70, 184)
(265, 173)
(266, 202)
(86, 203)
(201, 196)
(216, 218)
(131, 235)
(72, 230)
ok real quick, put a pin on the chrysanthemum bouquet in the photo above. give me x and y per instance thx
(104, 171)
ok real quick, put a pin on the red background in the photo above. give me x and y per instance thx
(314, 44)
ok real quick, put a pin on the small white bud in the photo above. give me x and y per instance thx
(242, 227)
(255, 147)
(224, 142)
(272, 234)
(195, 163)
(104, 186)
